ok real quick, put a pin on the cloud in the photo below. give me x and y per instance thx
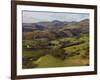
(39, 16)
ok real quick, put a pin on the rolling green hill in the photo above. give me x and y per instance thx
(55, 44)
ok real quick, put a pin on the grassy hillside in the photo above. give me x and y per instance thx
(66, 45)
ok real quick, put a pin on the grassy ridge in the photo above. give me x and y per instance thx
(55, 44)
(74, 55)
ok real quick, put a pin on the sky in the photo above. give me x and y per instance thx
(40, 16)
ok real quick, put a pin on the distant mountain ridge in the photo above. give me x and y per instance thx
(56, 24)
(55, 29)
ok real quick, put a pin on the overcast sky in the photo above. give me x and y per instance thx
(38, 16)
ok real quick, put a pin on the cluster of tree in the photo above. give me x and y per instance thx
(51, 35)
(58, 53)
(28, 64)
(47, 44)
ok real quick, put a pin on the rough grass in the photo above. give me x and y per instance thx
(31, 52)
(77, 48)
(50, 61)
(76, 54)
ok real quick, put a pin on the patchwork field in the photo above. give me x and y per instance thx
(64, 46)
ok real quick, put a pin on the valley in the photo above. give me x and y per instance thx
(55, 44)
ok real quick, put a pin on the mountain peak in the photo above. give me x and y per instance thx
(58, 23)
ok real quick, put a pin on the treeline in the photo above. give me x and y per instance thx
(51, 35)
